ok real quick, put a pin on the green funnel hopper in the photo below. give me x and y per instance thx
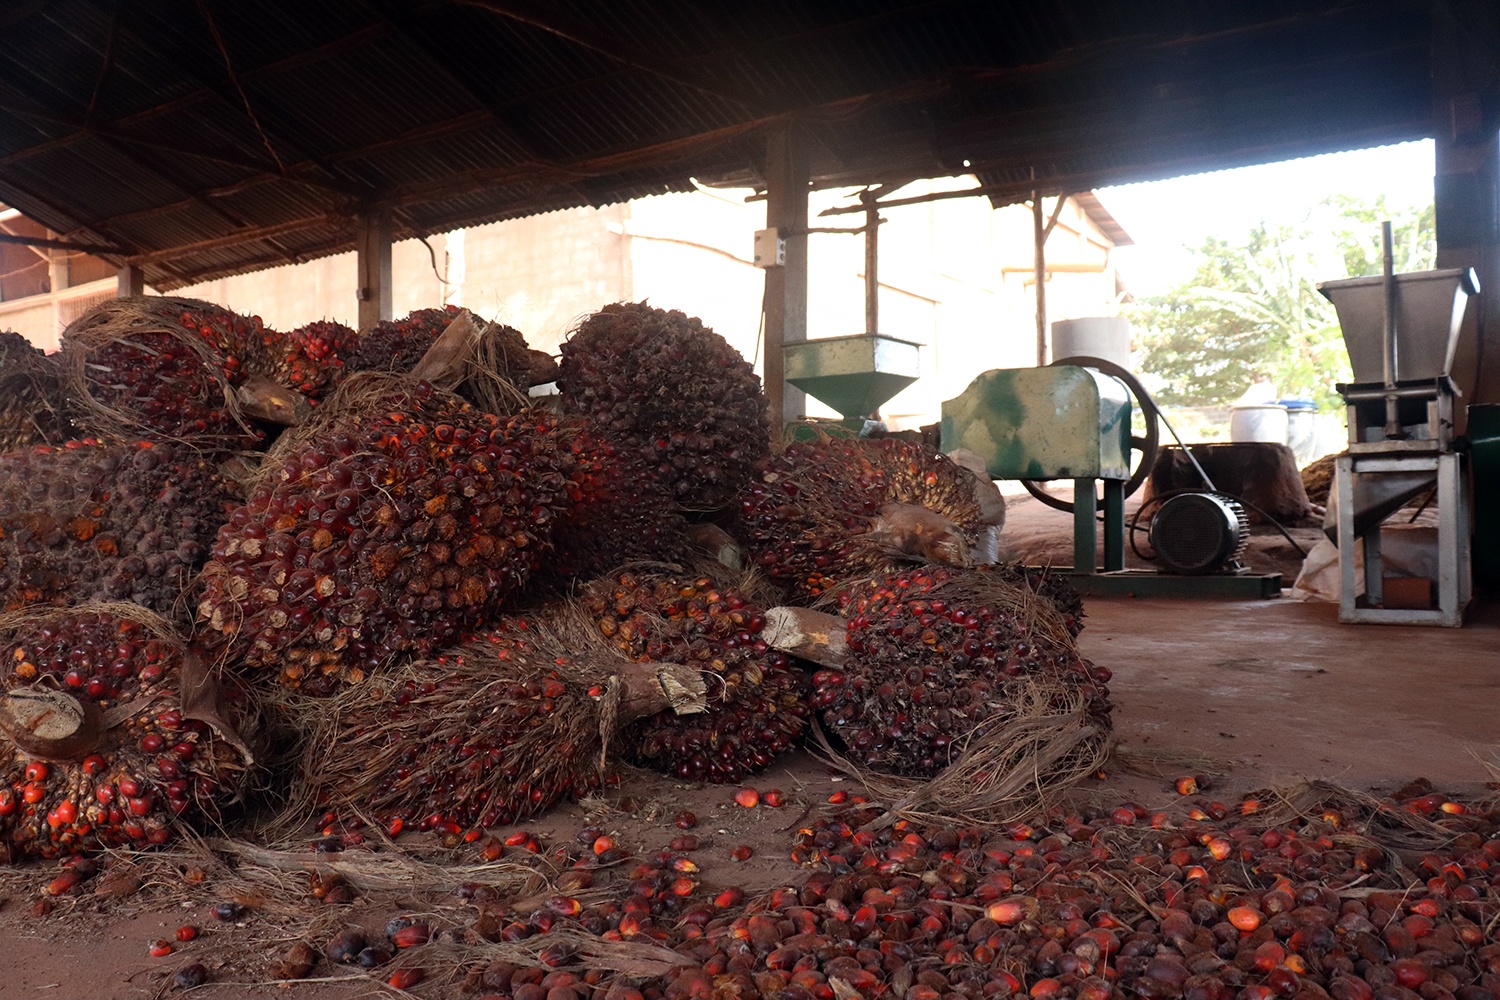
(853, 375)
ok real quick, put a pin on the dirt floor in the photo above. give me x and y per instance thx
(1271, 690)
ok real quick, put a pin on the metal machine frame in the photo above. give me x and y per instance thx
(1454, 581)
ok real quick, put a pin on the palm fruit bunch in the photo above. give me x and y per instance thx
(164, 367)
(612, 517)
(756, 700)
(32, 408)
(500, 353)
(389, 530)
(484, 735)
(838, 507)
(100, 745)
(937, 655)
(311, 358)
(671, 392)
(397, 345)
(90, 521)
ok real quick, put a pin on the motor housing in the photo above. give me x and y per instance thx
(1196, 534)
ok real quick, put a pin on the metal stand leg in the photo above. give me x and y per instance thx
(1453, 539)
(1465, 537)
(1344, 488)
(1114, 525)
(1085, 533)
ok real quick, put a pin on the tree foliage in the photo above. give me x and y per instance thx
(1252, 312)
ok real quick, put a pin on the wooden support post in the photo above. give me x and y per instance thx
(132, 281)
(786, 286)
(57, 281)
(1467, 183)
(1039, 239)
(872, 261)
(373, 243)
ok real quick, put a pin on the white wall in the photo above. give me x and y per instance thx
(542, 273)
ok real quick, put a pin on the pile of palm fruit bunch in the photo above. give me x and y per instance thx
(1307, 892)
(89, 521)
(671, 393)
(113, 732)
(937, 657)
(487, 734)
(757, 704)
(838, 507)
(379, 555)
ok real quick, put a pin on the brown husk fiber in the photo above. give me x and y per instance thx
(359, 738)
(1016, 770)
(121, 320)
(33, 410)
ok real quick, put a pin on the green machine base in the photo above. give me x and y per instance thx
(1148, 583)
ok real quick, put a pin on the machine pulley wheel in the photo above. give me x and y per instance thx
(1146, 445)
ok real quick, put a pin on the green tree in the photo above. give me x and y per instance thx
(1252, 312)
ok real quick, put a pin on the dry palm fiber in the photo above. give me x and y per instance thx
(937, 658)
(397, 523)
(166, 368)
(1053, 587)
(488, 734)
(1317, 479)
(756, 700)
(112, 731)
(1010, 768)
(32, 408)
(841, 507)
(90, 521)
(674, 394)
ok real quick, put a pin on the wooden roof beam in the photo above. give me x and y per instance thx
(38, 241)
(248, 235)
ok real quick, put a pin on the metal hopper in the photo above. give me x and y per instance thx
(853, 375)
(1429, 314)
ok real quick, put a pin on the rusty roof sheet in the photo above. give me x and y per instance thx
(208, 138)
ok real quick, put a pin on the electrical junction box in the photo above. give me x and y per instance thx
(770, 248)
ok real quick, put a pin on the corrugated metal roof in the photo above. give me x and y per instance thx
(214, 137)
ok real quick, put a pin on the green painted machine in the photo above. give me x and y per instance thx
(1072, 420)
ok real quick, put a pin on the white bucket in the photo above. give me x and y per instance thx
(1106, 337)
(1258, 423)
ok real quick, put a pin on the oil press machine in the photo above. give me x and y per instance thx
(1402, 331)
(1069, 420)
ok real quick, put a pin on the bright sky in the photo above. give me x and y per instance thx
(1167, 218)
